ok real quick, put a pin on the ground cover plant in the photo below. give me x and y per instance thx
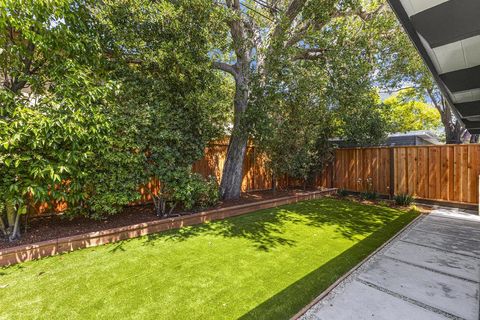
(403, 199)
(263, 265)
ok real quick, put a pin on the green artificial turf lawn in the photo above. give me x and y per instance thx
(265, 265)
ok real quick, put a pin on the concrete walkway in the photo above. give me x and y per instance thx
(430, 271)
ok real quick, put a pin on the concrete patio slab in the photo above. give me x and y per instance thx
(378, 306)
(445, 242)
(451, 221)
(456, 214)
(430, 271)
(449, 229)
(435, 259)
(449, 294)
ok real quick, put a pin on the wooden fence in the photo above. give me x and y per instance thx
(255, 174)
(441, 173)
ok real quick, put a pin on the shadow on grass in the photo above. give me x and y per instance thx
(266, 228)
(293, 298)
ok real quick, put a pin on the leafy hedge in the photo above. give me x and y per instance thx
(89, 112)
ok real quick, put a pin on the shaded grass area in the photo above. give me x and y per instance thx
(263, 265)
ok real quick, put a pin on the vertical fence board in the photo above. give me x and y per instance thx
(457, 174)
(451, 173)
(411, 170)
(445, 173)
(401, 171)
(464, 174)
(422, 172)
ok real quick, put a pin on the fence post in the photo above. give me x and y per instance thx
(254, 163)
(392, 173)
(332, 171)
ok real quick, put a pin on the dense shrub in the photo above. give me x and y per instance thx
(342, 193)
(205, 192)
(189, 191)
(403, 199)
(88, 112)
(53, 111)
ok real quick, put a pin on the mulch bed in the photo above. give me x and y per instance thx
(57, 226)
(424, 209)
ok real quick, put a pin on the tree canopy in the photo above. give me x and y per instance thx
(404, 112)
(98, 98)
(85, 122)
(330, 43)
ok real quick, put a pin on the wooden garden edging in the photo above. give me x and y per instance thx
(14, 255)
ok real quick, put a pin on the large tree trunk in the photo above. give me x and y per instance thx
(453, 133)
(232, 176)
(453, 129)
(231, 185)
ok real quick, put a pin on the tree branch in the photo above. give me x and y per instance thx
(310, 54)
(365, 16)
(225, 67)
(293, 10)
(318, 25)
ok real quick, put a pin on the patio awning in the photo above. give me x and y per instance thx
(447, 36)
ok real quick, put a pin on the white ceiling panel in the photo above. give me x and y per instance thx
(431, 53)
(454, 65)
(466, 96)
(450, 57)
(415, 6)
(471, 48)
(458, 55)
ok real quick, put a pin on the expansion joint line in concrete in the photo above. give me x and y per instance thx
(415, 302)
(437, 248)
(445, 223)
(419, 228)
(429, 269)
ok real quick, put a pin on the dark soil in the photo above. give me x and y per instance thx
(37, 229)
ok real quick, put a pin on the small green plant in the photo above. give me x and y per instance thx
(403, 199)
(414, 208)
(369, 195)
(383, 203)
(342, 193)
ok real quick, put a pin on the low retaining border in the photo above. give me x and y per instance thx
(14, 255)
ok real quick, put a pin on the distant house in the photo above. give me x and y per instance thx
(411, 138)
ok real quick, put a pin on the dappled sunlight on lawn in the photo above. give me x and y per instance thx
(266, 228)
(267, 264)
